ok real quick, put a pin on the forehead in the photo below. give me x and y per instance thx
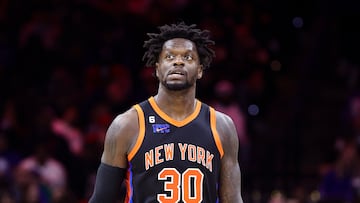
(179, 43)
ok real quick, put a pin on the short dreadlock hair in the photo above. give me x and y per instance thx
(201, 39)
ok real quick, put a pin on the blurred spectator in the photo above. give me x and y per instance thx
(8, 120)
(148, 83)
(44, 25)
(44, 170)
(338, 182)
(65, 127)
(63, 88)
(100, 116)
(9, 125)
(28, 187)
(8, 161)
(225, 101)
(119, 90)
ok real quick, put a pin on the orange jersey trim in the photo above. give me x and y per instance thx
(172, 121)
(215, 132)
(141, 135)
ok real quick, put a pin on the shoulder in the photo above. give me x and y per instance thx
(226, 129)
(124, 126)
(120, 138)
(224, 122)
(124, 121)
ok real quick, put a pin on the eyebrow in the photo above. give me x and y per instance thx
(167, 51)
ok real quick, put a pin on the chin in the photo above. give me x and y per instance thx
(178, 86)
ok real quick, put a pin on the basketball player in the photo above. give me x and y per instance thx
(172, 147)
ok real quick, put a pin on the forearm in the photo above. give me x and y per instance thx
(230, 183)
(231, 192)
(107, 184)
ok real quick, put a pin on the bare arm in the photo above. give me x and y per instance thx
(120, 137)
(230, 176)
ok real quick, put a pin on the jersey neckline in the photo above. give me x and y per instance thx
(172, 121)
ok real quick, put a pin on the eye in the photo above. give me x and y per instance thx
(169, 56)
(188, 57)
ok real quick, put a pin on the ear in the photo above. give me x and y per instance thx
(200, 72)
(156, 70)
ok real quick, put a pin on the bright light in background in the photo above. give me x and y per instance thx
(298, 22)
(253, 109)
(275, 65)
(315, 196)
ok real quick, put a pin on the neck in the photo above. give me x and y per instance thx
(176, 104)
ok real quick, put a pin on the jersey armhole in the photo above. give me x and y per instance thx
(141, 134)
(215, 132)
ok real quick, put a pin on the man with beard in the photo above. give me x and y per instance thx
(172, 147)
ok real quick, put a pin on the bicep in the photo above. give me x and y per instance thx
(230, 180)
(112, 154)
(118, 140)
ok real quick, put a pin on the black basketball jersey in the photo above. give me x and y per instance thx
(174, 161)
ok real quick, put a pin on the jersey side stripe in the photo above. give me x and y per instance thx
(141, 135)
(129, 188)
(215, 132)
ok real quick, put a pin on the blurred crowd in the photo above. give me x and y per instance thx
(285, 72)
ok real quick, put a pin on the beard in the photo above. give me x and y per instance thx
(177, 86)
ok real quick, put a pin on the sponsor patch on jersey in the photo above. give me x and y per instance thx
(161, 128)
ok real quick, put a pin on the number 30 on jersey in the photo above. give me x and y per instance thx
(188, 185)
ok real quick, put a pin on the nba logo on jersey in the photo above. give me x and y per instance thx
(161, 128)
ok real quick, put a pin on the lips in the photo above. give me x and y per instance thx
(176, 72)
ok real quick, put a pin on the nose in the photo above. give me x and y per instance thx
(178, 61)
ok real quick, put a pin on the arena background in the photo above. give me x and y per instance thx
(289, 70)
